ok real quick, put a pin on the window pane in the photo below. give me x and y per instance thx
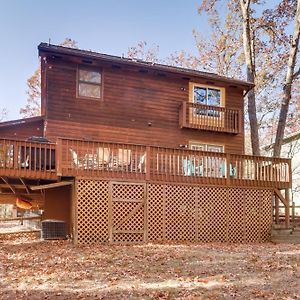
(199, 95)
(89, 76)
(89, 90)
(214, 148)
(214, 97)
(199, 147)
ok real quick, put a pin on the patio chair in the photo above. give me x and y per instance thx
(123, 158)
(103, 155)
(142, 163)
(76, 161)
(25, 163)
(191, 169)
(188, 167)
(232, 171)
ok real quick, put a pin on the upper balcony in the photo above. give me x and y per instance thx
(114, 161)
(212, 118)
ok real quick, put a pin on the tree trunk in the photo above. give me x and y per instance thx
(287, 88)
(253, 118)
(249, 54)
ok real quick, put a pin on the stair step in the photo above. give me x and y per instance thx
(279, 226)
(286, 239)
(281, 232)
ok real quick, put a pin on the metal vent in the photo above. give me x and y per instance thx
(53, 230)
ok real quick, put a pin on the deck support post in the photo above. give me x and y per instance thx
(287, 208)
(276, 202)
(293, 213)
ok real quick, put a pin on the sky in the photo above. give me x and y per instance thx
(106, 26)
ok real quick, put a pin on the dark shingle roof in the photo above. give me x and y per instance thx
(44, 47)
(22, 121)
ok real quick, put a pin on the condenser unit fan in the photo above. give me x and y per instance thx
(53, 230)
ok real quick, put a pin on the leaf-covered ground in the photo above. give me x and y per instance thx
(33, 269)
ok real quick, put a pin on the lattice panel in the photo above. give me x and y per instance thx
(92, 211)
(180, 213)
(155, 199)
(122, 209)
(235, 215)
(252, 215)
(128, 212)
(125, 238)
(266, 215)
(212, 225)
(127, 191)
(174, 213)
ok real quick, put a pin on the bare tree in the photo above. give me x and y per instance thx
(290, 77)
(250, 72)
(143, 52)
(3, 113)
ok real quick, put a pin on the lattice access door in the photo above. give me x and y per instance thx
(127, 212)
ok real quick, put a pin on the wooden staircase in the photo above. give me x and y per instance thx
(285, 235)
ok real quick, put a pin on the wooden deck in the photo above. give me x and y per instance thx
(91, 159)
(19, 158)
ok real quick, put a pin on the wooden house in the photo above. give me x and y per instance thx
(130, 151)
(290, 149)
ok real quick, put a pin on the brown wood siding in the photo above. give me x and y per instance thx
(131, 101)
(22, 131)
(58, 205)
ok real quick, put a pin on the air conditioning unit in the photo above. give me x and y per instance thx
(54, 230)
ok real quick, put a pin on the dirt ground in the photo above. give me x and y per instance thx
(34, 269)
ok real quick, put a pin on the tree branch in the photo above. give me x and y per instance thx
(296, 74)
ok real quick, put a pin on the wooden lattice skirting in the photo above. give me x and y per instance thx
(123, 212)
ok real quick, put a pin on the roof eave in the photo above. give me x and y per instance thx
(21, 121)
(43, 47)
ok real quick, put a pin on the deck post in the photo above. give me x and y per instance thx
(276, 202)
(15, 155)
(290, 172)
(227, 169)
(287, 208)
(58, 157)
(148, 160)
(293, 213)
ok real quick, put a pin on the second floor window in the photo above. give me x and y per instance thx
(89, 83)
(207, 96)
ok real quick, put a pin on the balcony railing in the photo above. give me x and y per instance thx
(207, 117)
(218, 168)
(91, 159)
(27, 159)
(140, 162)
(100, 159)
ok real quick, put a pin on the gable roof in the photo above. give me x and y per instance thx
(51, 49)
